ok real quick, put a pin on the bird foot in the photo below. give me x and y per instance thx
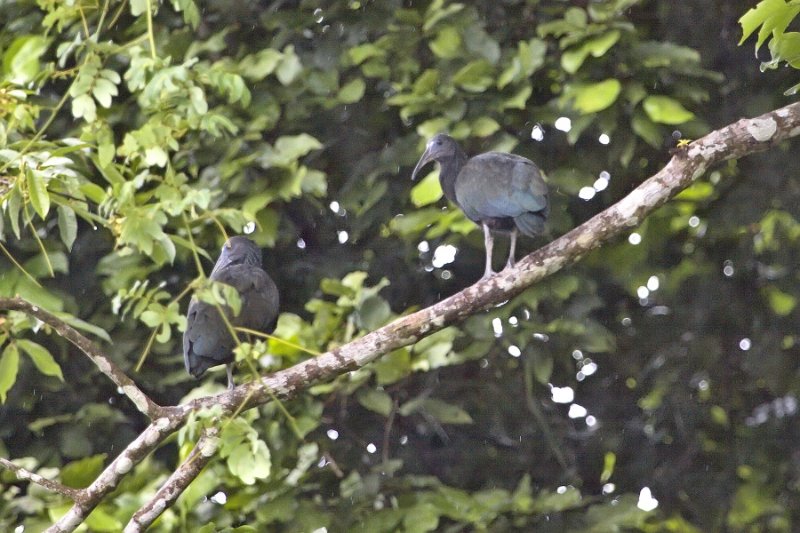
(488, 274)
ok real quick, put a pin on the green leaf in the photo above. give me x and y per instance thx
(100, 520)
(250, 462)
(427, 191)
(292, 147)
(447, 44)
(77, 323)
(392, 367)
(261, 64)
(21, 59)
(376, 401)
(359, 54)
(138, 7)
(42, 358)
(773, 16)
(555, 502)
(104, 91)
(531, 55)
(67, 226)
(475, 77)
(37, 192)
(593, 97)
(83, 106)
(609, 461)
(786, 48)
(80, 474)
(9, 365)
(542, 366)
(421, 518)
(446, 413)
(352, 91)
(623, 515)
(780, 302)
(484, 126)
(666, 110)
(573, 58)
(647, 130)
(519, 99)
(437, 11)
(14, 207)
(373, 312)
(290, 66)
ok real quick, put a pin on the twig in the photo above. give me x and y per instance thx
(49, 484)
(199, 457)
(106, 366)
(109, 478)
(387, 432)
(334, 466)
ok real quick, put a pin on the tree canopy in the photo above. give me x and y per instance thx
(650, 386)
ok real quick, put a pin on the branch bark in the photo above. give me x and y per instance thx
(92, 351)
(200, 456)
(49, 484)
(741, 138)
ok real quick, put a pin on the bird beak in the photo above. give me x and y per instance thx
(224, 258)
(221, 263)
(424, 160)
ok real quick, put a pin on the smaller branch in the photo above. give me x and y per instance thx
(199, 457)
(106, 366)
(27, 475)
(90, 497)
(387, 432)
(334, 466)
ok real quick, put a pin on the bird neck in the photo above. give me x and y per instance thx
(450, 168)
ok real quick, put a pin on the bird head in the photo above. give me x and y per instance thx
(438, 148)
(238, 250)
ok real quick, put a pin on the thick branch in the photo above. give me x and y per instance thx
(106, 366)
(200, 456)
(742, 138)
(49, 484)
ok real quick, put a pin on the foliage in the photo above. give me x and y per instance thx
(772, 18)
(135, 136)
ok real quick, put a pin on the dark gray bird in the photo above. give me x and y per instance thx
(498, 191)
(207, 341)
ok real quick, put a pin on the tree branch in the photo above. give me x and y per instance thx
(49, 484)
(133, 454)
(106, 366)
(742, 138)
(199, 457)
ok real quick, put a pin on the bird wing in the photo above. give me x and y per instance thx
(500, 185)
(258, 294)
(207, 341)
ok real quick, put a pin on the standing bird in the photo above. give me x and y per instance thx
(207, 341)
(498, 191)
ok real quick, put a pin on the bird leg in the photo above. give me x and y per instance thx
(229, 370)
(512, 249)
(488, 243)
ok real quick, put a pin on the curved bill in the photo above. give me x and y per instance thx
(424, 160)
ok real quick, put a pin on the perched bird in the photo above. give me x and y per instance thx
(207, 341)
(498, 191)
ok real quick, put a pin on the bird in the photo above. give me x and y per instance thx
(499, 191)
(207, 340)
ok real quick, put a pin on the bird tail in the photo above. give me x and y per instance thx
(531, 224)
